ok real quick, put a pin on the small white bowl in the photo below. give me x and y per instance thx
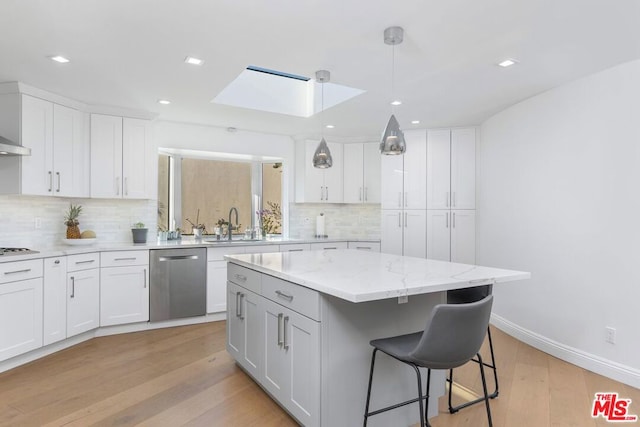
(79, 242)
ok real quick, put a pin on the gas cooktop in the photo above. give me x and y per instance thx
(16, 251)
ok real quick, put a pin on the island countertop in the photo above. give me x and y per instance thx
(359, 276)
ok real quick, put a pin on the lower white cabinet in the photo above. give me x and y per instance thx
(83, 293)
(451, 235)
(124, 287)
(20, 307)
(403, 232)
(244, 328)
(55, 300)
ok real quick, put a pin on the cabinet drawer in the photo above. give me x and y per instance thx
(328, 245)
(298, 298)
(20, 270)
(124, 258)
(249, 279)
(295, 247)
(217, 254)
(365, 246)
(83, 261)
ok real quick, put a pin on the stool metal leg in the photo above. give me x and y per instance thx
(484, 388)
(366, 408)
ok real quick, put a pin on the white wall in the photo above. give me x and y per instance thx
(559, 196)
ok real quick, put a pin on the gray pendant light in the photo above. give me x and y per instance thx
(392, 142)
(322, 157)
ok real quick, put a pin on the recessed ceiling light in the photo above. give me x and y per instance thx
(396, 102)
(164, 101)
(330, 126)
(193, 61)
(507, 63)
(415, 122)
(60, 59)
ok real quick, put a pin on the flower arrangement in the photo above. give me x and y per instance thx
(271, 218)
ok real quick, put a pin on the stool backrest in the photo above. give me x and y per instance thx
(460, 296)
(454, 334)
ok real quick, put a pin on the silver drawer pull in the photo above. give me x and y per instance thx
(172, 258)
(241, 277)
(364, 248)
(329, 247)
(284, 295)
(26, 270)
(295, 250)
(89, 261)
(125, 259)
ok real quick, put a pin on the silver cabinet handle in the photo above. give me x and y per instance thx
(56, 261)
(58, 176)
(89, 261)
(144, 272)
(446, 199)
(329, 247)
(399, 220)
(360, 197)
(399, 199)
(326, 192)
(295, 250)
(240, 277)
(284, 295)
(453, 221)
(284, 341)
(241, 311)
(117, 185)
(447, 219)
(172, 258)
(50, 181)
(366, 196)
(453, 196)
(321, 192)
(237, 304)
(406, 199)
(125, 259)
(73, 287)
(280, 341)
(363, 248)
(406, 220)
(26, 270)
(126, 186)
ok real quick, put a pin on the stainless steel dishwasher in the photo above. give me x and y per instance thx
(177, 283)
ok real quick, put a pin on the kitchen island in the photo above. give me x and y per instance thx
(300, 325)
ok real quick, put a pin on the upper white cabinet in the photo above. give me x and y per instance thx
(451, 159)
(405, 176)
(122, 160)
(361, 173)
(323, 185)
(59, 160)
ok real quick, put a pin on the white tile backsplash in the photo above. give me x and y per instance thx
(341, 220)
(111, 219)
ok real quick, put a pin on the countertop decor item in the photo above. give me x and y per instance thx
(139, 233)
(270, 219)
(80, 242)
(71, 221)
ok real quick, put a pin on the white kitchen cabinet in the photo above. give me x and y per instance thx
(451, 169)
(405, 176)
(217, 277)
(361, 173)
(323, 185)
(122, 157)
(124, 287)
(451, 235)
(55, 300)
(245, 328)
(83, 293)
(36, 123)
(71, 153)
(20, 307)
(403, 232)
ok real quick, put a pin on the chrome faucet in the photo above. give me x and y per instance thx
(230, 224)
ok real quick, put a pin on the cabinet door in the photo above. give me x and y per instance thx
(415, 171)
(391, 232)
(438, 169)
(83, 301)
(371, 158)
(216, 286)
(301, 347)
(235, 323)
(70, 154)
(313, 177)
(392, 173)
(463, 168)
(439, 234)
(275, 361)
(463, 236)
(106, 156)
(333, 177)
(137, 158)
(21, 308)
(415, 230)
(37, 134)
(253, 315)
(55, 300)
(353, 173)
(124, 295)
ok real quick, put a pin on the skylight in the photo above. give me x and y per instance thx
(275, 91)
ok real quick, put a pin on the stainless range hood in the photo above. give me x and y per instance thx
(9, 148)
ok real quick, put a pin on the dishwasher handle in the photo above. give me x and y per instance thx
(177, 257)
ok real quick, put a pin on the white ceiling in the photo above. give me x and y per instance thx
(130, 53)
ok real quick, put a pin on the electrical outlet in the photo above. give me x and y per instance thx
(403, 299)
(306, 220)
(610, 335)
(37, 223)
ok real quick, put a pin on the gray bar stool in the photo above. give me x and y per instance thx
(461, 296)
(452, 337)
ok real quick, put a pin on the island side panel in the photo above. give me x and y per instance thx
(347, 329)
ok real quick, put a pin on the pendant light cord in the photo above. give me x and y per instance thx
(393, 76)
(322, 111)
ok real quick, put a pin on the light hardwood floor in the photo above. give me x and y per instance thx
(183, 376)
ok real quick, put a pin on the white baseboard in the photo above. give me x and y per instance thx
(590, 362)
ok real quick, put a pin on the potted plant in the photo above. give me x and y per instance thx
(139, 233)
(197, 228)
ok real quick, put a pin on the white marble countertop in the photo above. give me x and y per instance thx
(186, 241)
(360, 276)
